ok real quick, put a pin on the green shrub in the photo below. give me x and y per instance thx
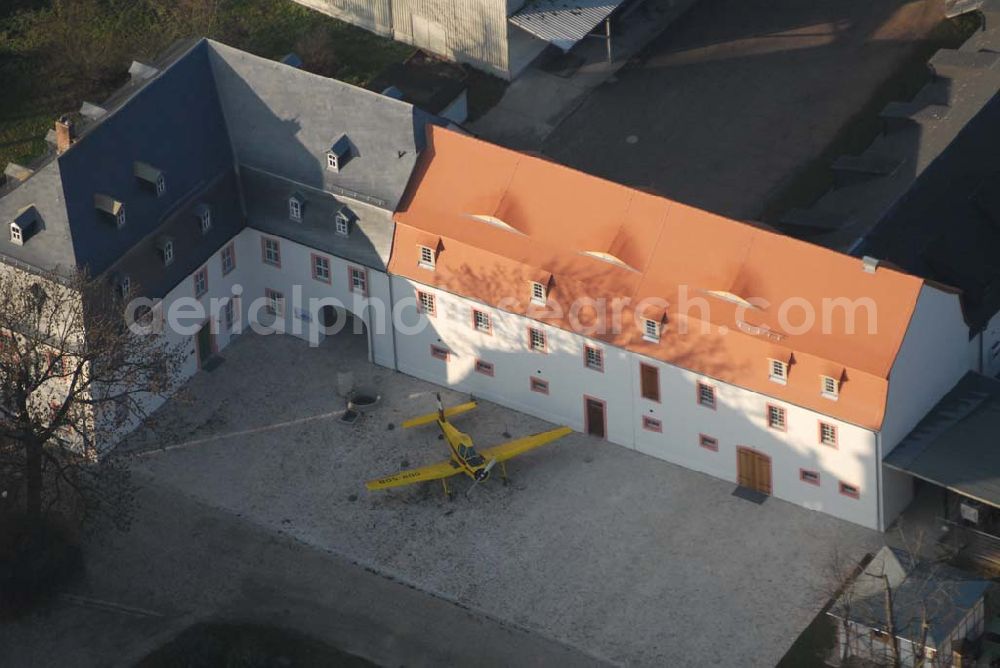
(37, 560)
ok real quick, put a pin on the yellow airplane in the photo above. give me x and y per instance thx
(464, 457)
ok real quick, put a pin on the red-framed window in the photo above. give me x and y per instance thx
(228, 258)
(270, 251)
(649, 382)
(777, 417)
(321, 268)
(201, 282)
(809, 476)
(652, 424)
(440, 353)
(484, 367)
(706, 395)
(539, 385)
(828, 434)
(426, 304)
(482, 322)
(536, 340)
(275, 302)
(852, 491)
(593, 358)
(708, 442)
(358, 280)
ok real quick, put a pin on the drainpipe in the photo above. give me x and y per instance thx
(392, 323)
(878, 480)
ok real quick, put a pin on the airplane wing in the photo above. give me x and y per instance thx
(437, 471)
(431, 417)
(519, 446)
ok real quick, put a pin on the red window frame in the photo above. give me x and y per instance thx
(229, 249)
(531, 341)
(708, 442)
(587, 349)
(278, 298)
(542, 385)
(652, 424)
(422, 308)
(314, 264)
(489, 322)
(804, 476)
(277, 251)
(833, 427)
(364, 280)
(852, 491)
(698, 395)
(440, 353)
(203, 273)
(642, 390)
(784, 417)
(484, 367)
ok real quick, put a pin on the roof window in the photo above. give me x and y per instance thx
(339, 154)
(151, 177)
(112, 208)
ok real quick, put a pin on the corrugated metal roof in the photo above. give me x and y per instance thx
(563, 22)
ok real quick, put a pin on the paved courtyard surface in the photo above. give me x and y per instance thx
(736, 95)
(620, 555)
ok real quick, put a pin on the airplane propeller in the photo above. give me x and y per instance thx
(481, 475)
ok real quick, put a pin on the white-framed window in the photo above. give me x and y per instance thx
(168, 252)
(536, 340)
(359, 281)
(201, 282)
(228, 255)
(481, 321)
(828, 434)
(321, 268)
(275, 302)
(537, 292)
(15, 233)
(125, 286)
(593, 358)
(332, 162)
(342, 223)
(829, 387)
(205, 220)
(161, 184)
(426, 303)
(426, 257)
(651, 330)
(779, 371)
(120, 217)
(294, 208)
(271, 251)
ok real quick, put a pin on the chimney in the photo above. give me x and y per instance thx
(870, 264)
(64, 134)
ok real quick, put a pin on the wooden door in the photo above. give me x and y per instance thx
(595, 417)
(204, 344)
(753, 470)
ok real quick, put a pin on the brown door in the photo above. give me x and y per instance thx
(594, 414)
(204, 344)
(753, 470)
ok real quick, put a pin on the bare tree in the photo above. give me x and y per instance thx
(73, 377)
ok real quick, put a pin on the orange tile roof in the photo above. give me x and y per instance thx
(501, 219)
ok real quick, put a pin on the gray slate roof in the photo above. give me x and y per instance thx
(954, 445)
(211, 118)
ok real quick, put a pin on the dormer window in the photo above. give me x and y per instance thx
(151, 176)
(204, 214)
(166, 248)
(339, 154)
(343, 223)
(24, 225)
(829, 387)
(537, 293)
(651, 331)
(16, 235)
(426, 257)
(295, 203)
(779, 371)
(111, 208)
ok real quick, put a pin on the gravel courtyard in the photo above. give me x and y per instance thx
(624, 556)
